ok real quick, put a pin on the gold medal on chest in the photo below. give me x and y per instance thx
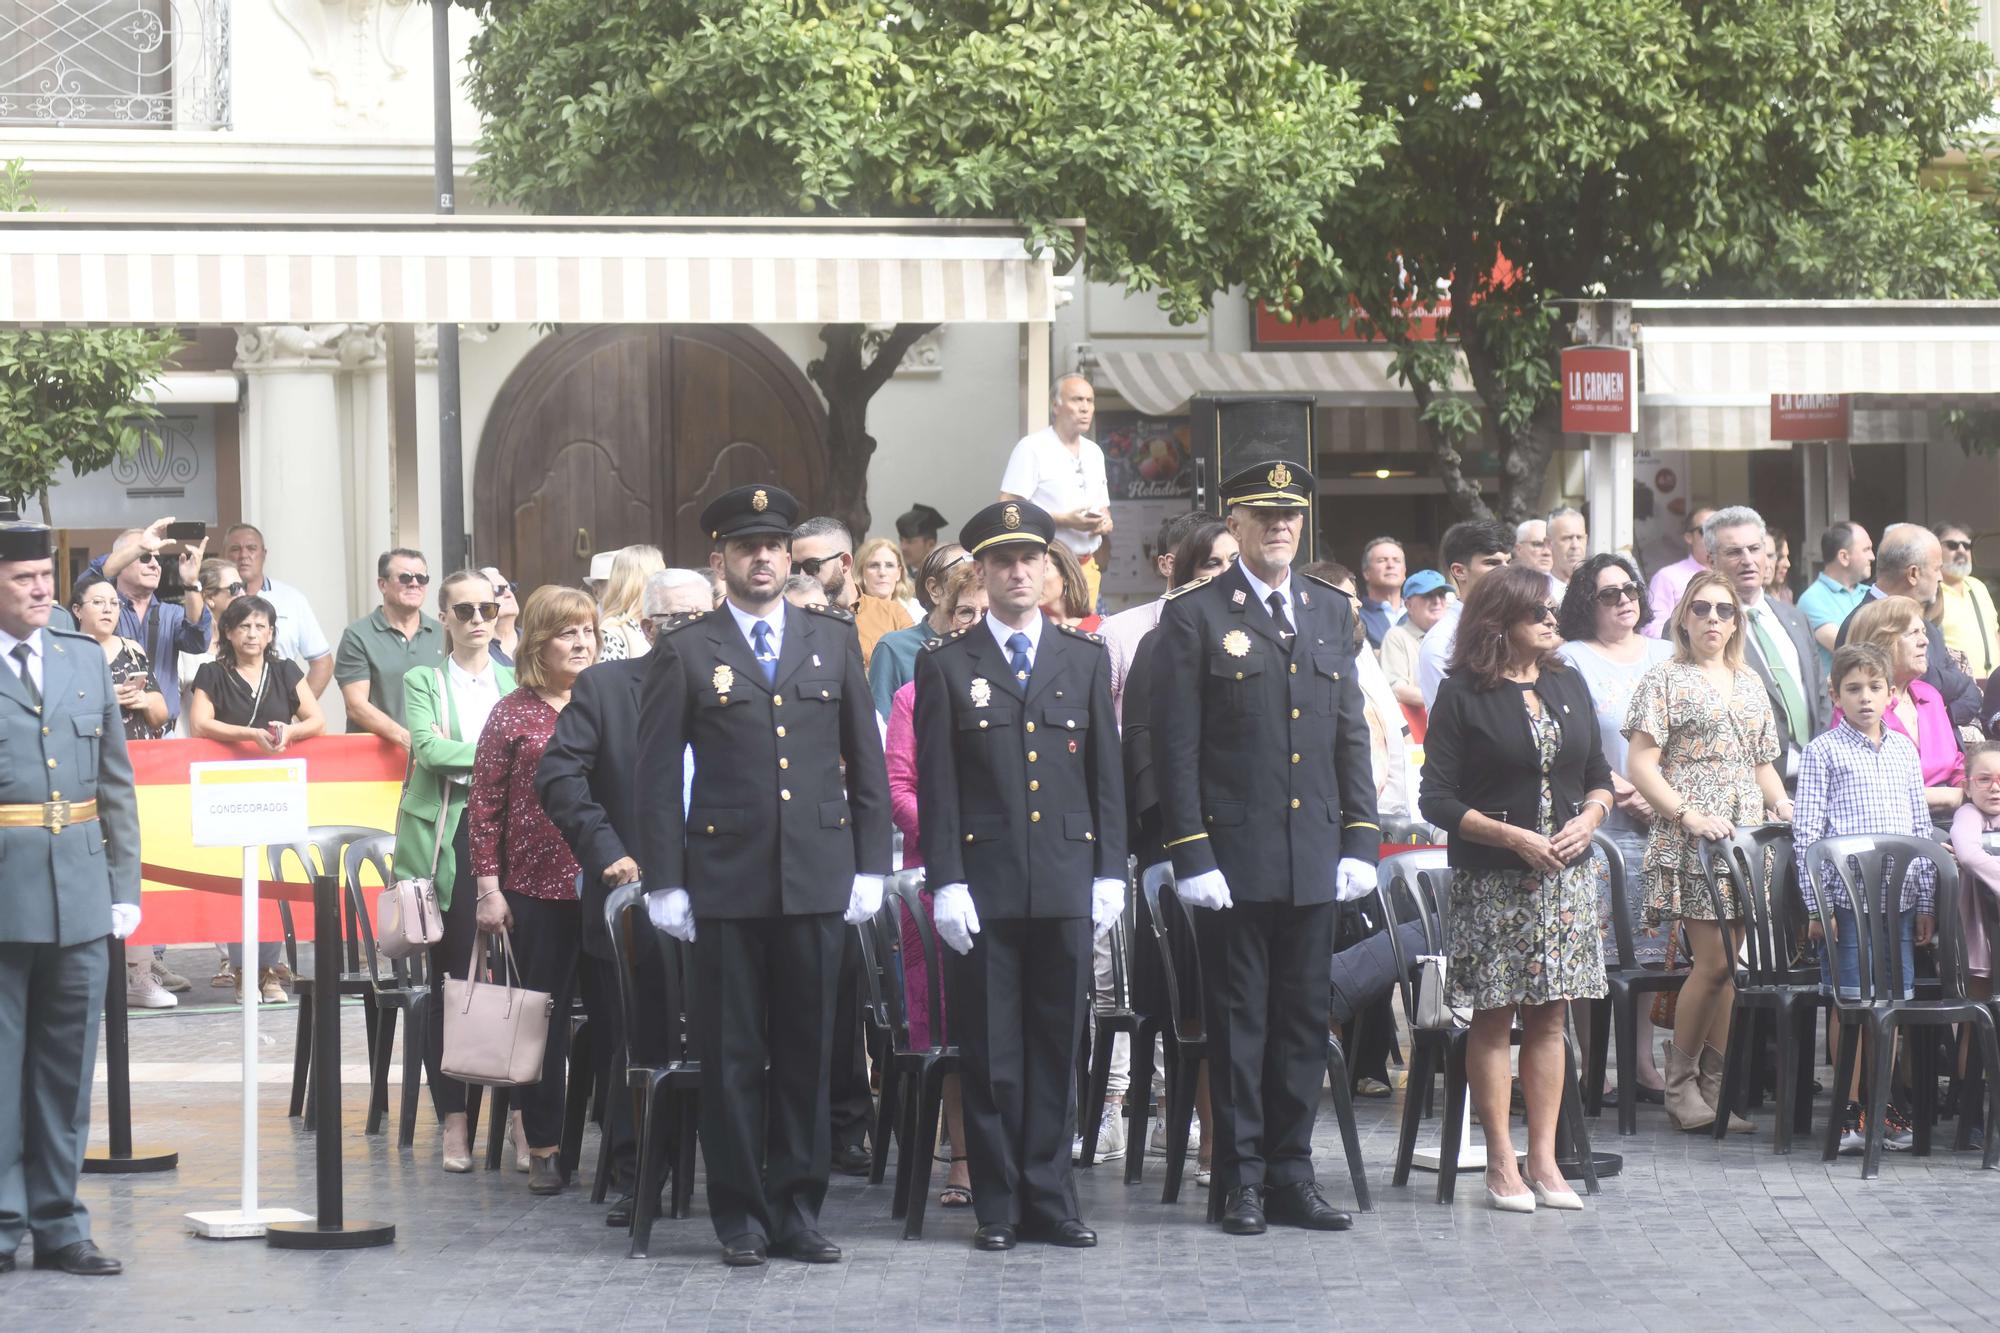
(724, 681)
(982, 691)
(1236, 643)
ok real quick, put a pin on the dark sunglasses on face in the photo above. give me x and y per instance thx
(1723, 611)
(1545, 615)
(233, 589)
(465, 611)
(1624, 592)
(1953, 544)
(146, 558)
(810, 568)
(409, 580)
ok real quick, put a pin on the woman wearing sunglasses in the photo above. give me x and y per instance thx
(446, 708)
(1514, 771)
(1701, 744)
(1601, 614)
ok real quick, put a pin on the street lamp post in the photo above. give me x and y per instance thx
(451, 447)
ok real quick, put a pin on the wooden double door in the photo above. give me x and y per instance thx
(619, 434)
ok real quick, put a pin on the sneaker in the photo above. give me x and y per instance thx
(1157, 1144)
(1111, 1133)
(169, 978)
(225, 978)
(1852, 1136)
(1898, 1135)
(144, 991)
(1202, 1176)
(270, 988)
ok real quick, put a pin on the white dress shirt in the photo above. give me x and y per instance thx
(473, 699)
(1002, 633)
(1262, 591)
(744, 621)
(1788, 762)
(36, 642)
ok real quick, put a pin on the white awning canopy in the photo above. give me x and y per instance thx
(77, 269)
(1160, 383)
(1690, 351)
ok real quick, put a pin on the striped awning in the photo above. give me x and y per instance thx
(1734, 428)
(1160, 383)
(1693, 351)
(69, 269)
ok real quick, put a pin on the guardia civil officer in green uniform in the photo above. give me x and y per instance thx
(1267, 804)
(69, 876)
(1023, 800)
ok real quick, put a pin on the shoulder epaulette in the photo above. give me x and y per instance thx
(942, 640)
(70, 634)
(833, 613)
(1076, 633)
(694, 618)
(1190, 587)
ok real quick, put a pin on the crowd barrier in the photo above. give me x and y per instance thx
(192, 895)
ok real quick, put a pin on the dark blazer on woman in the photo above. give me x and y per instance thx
(1479, 754)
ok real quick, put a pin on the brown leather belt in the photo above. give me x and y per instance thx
(51, 815)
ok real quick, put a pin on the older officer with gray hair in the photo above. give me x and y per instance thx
(69, 835)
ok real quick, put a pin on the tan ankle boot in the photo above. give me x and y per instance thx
(1708, 1082)
(1684, 1104)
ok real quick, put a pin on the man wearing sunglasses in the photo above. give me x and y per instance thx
(379, 649)
(1965, 607)
(158, 626)
(1910, 563)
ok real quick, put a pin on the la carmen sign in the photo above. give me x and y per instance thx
(1600, 390)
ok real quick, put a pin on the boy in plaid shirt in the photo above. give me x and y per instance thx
(1862, 777)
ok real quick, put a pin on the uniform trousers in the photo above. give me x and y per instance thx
(1264, 985)
(50, 1001)
(764, 992)
(547, 937)
(1017, 1010)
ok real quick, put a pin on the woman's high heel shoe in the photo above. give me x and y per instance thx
(1562, 1200)
(1509, 1203)
(460, 1161)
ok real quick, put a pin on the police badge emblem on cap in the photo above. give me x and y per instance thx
(1011, 516)
(1280, 477)
(760, 501)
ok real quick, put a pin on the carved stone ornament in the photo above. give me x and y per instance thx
(924, 357)
(351, 47)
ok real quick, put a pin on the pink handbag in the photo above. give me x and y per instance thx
(495, 1031)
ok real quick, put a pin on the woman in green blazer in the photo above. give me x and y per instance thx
(445, 708)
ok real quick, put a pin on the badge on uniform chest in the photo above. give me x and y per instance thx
(1236, 643)
(981, 691)
(724, 681)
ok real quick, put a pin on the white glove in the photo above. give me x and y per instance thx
(1107, 904)
(957, 920)
(864, 899)
(671, 911)
(1354, 879)
(1208, 889)
(124, 920)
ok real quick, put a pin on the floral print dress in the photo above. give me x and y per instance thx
(1526, 936)
(1709, 751)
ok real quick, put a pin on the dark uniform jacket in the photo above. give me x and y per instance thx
(588, 781)
(772, 829)
(57, 888)
(1262, 753)
(1020, 789)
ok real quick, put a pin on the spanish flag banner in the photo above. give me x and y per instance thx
(193, 895)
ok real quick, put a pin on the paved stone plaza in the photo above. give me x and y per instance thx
(1691, 1234)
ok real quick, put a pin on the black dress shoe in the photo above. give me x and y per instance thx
(853, 1160)
(621, 1213)
(809, 1247)
(744, 1251)
(998, 1236)
(1068, 1233)
(6, 1263)
(1302, 1205)
(83, 1259)
(1243, 1212)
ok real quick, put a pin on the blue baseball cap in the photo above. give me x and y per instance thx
(1422, 582)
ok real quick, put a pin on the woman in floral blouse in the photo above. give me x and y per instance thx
(1701, 744)
(526, 877)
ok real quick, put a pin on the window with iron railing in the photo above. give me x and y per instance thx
(138, 64)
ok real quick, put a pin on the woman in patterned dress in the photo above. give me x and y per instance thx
(1701, 741)
(1514, 771)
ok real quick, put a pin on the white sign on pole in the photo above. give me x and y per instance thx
(248, 803)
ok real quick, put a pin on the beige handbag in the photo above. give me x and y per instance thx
(408, 919)
(495, 1031)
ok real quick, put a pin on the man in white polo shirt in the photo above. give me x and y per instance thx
(1062, 471)
(297, 634)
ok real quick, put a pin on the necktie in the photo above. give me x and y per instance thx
(1276, 601)
(21, 655)
(1788, 688)
(1017, 644)
(767, 657)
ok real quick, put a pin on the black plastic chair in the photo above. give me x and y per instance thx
(1626, 983)
(661, 1072)
(882, 1011)
(1107, 1021)
(921, 1098)
(1421, 880)
(1871, 870)
(1171, 924)
(405, 990)
(1758, 861)
(319, 854)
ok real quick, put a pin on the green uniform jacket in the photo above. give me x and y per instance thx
(57, 888)
(434, 761)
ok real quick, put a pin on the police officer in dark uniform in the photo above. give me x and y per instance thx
(1268, 810)
(772, 851)
(69, 841)
(1023, 801)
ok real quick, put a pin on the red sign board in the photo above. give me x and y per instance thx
(1809, 416)
(1600, 390)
